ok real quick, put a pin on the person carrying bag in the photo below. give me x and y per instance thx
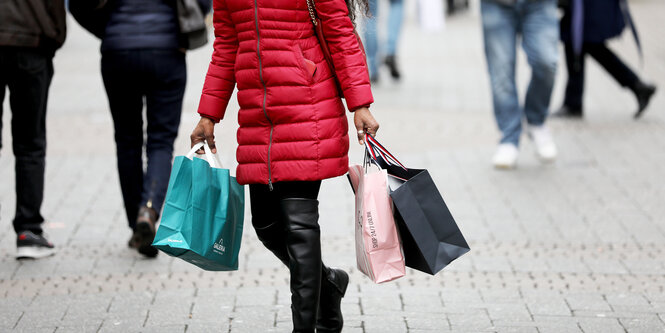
(293, 130)
(203, 215)
(143, 66)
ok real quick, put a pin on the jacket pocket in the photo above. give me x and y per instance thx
(308, 67)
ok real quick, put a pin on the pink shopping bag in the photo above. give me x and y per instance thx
(378, 249)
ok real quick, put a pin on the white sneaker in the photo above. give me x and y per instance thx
(545, 146)
(505, 156)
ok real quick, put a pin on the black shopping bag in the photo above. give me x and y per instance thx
(430, 236)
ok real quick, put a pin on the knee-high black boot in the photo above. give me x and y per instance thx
(333, 280)
(301, 217)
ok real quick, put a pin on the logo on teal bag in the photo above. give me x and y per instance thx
(219, 247)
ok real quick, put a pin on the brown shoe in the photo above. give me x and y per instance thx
(145, 232)
(133, 242)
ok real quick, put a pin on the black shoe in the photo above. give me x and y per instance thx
(145, 231)
(303, 240)
(567, 112)
(392, 65)
(643, 93)
(333, 288)
(373, 79)
(32, 246)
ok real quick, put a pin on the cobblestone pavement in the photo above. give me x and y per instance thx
(576, 246)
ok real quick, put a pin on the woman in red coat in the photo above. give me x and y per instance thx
(293, 129)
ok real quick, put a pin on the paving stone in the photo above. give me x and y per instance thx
(79, 328)
(517, 312)
(122, 325)
(598, 325)
(643, 325)
(559, 329)
(587, 301)
(9, 318)
(516, 329)
(207, 328)
(471, 322)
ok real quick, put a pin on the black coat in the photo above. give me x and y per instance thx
(603, 19)
(134, 24)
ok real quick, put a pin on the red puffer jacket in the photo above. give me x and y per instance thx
(293, 125)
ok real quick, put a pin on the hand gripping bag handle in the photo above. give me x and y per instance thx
(210, 157)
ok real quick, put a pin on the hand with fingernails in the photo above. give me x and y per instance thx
(365, 123)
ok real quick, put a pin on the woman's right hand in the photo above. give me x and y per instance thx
(204, 130)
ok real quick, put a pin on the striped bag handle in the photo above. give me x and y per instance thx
(374, 148)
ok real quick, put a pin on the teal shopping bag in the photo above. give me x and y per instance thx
(203, 213)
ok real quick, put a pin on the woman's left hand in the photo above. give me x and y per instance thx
(365, 123)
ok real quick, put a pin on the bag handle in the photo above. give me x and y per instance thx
(376, 149)
(210, 157)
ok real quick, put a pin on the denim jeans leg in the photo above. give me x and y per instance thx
(122, 81)
(540, 39)
(29, 88)
(395, 17)
(371, 42)
(500, 24)
(164, 108)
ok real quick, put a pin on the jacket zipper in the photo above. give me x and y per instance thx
(265, 90)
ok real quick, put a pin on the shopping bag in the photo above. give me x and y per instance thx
(203, 213)
(430, 236)
(378, 251)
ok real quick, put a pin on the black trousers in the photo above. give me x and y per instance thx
(27, 73)
(606, 58)
(156, 78)
(265, 203)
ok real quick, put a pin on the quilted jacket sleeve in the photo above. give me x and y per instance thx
(349, 61)
(220, 80)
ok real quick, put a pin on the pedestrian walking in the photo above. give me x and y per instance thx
(293, 129)
(601, 20)
(30, 33)
(389, 48)
(143, 64)
(535, 21)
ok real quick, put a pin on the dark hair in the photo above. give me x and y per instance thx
(361, 6)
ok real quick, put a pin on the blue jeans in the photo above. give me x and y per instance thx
(371, 34)
(154, 78)
(537, 23)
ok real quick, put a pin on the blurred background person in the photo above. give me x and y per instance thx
(537, 23)
(601, 20)
(454, 6)
(30, 33)
(389, 48)
(143, 63)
